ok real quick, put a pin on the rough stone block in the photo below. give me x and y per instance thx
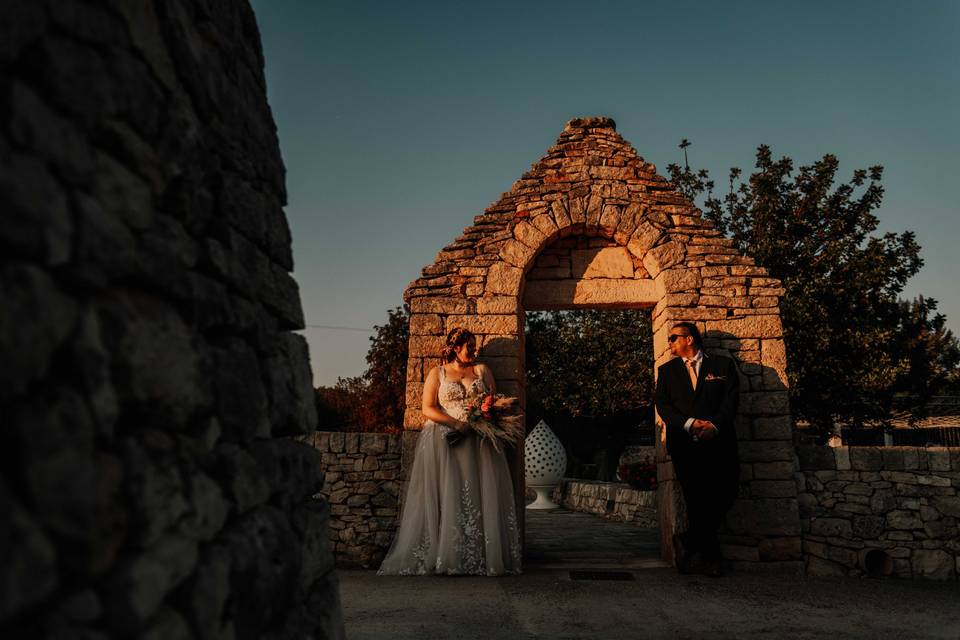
(503, 279)
(773, 470)
(843, 458)
(664, 256)
(29, 569)
(373, 443)
(947, 505)
(766, 516)
(289, 467)
(289, 387)
(644, 237)
(529, 235)
(564, 294)
(892, 458)
(935, 564)
(865, 459)
(831, 527)
(760, 326)
(441, 305)
(676, 280)
(612, 262)
(497, 305)
(484, 324)
(814, 457)
(770, 403)
(138, 586)
(938, 459)
(904, 520)
(426, 324)
(766, 451)
(773, 489)
(426, 346)
(780, 549)
(514, 253)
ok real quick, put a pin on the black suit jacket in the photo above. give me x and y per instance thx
(716, 399)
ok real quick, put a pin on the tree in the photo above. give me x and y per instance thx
(386, 374)
(376, 400)
(590, 362)
(845, 329)
(932, 353)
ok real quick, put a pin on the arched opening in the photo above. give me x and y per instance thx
(601, 518)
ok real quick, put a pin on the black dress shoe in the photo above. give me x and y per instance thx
(681, 556)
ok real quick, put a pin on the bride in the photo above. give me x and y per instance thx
(458, 514)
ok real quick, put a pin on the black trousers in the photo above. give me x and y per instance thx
(709, 477)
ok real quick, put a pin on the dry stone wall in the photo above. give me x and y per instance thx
(881, 510)
(362, 484)
(614, 500)
(151, 387)
(591, 225)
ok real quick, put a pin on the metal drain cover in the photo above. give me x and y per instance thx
(601, 575)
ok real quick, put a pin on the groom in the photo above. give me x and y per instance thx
(697, 398)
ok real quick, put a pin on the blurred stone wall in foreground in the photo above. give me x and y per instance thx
(152, 391)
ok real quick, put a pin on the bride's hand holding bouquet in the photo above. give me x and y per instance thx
(493, 417)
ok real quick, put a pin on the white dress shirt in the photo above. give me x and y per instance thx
(697, 363)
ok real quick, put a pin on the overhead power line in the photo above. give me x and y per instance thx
(337, 328)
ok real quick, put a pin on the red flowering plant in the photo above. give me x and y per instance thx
(495, 418)
(642, 476)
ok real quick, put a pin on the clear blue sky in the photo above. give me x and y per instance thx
(400, 121)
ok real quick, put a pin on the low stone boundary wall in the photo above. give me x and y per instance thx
(362, 484)
(614, 500)
(881, 510)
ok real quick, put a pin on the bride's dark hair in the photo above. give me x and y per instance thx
(457, 337)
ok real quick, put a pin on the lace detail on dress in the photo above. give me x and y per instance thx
(467, 536)
(419, 554)
(452, 394)
(516, 549)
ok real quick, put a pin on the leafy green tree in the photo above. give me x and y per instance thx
(847, 336)
(386, 374)
(590, 362)
(932, 354)
(376, 400)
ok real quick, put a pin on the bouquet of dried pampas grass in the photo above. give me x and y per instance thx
(495, 418)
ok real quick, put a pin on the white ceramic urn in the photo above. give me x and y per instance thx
(545, 462)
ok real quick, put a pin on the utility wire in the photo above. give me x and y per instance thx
(336, 328)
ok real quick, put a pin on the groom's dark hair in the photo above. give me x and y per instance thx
(693, 331)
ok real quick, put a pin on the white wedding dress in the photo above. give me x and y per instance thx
(458, 514)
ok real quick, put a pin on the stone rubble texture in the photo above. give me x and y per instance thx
(592, 225)
(362, 484)
(903, 501)
(616, 501)
(151, 389)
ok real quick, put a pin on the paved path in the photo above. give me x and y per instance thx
(561, 538)
(656, 602)
(659, 603)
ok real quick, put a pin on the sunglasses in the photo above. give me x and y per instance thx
(674, 336)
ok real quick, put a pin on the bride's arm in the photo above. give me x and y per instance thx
(431, 406)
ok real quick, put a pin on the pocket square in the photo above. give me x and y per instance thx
(711, 376)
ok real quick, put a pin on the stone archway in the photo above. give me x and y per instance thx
(654, 251)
